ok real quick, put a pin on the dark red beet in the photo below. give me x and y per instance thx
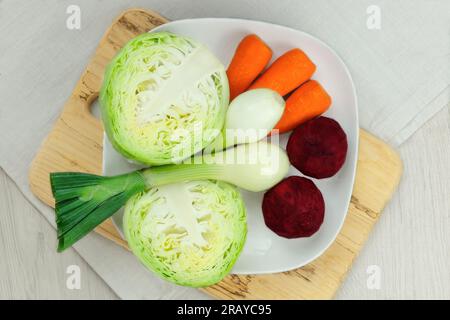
(294, 208)
(318, 148)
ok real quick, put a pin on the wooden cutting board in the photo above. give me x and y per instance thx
(75, 144)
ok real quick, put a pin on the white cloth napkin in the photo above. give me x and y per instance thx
(400, 72)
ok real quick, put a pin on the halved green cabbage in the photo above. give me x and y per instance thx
(158, 92)
(188, 233)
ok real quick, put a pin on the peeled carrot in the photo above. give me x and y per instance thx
(251, 57)
(286, 73)
(307, 102)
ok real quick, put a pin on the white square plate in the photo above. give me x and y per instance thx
(264, 251)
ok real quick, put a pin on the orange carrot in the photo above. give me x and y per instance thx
(286, 73)
(307, 102)
(251, 57)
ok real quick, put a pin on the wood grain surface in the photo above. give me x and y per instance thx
(75, 144)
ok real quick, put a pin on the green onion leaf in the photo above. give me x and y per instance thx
(83, 201)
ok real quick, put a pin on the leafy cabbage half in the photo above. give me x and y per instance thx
(188, 233)
(164, 98)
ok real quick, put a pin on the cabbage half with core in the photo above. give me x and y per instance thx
(164, 98)
(188, 233)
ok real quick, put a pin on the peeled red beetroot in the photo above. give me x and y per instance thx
(318, 148)
(294, 208)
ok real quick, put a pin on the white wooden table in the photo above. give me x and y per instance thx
(410, 243)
